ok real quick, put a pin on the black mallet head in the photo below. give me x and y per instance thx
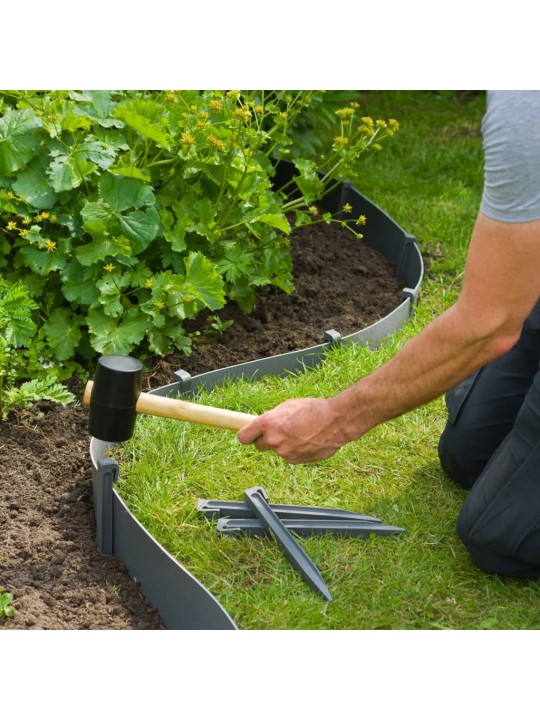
(116, 389)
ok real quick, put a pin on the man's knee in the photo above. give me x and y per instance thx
(499, 522)
(493, 561)
(458, 458)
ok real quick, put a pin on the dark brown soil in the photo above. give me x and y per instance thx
(48, 557)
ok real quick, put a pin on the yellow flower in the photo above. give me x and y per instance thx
(10, 195)
(234, 94)
(149, 284)
(26, 221)
(24, 233)
(347, 208)
(376, 146)
(159, 304)
(259, 109)
(187, 138)
(50, 246)
(53, 218)
(369, 125)
(283, 115)
(345, 112)
(215, 143)
(171, 97)
(361, 220)
(109, 267)
(313, 209)
(381, 124)
(341, 140)
(215, 105)
(393, 127)
(43, 216)
(11, 225)
(243, 114)
(204, 115)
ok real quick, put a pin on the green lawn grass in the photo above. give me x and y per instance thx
(428, 178)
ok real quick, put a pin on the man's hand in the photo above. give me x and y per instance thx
(300, 431)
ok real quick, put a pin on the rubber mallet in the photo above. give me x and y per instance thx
(115, 398)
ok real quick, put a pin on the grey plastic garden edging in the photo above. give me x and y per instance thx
(181, 600)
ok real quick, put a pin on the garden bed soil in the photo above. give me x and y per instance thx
(48, 556)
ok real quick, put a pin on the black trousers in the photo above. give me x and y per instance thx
(491, 444)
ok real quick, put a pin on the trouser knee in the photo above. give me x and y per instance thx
(490, 560)
(499, 522)
(458, 460)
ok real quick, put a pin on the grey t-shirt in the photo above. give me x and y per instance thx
(511, 132)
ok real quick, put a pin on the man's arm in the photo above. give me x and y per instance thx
(501, 286)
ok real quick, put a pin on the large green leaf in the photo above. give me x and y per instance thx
(42, 261)
(78, 283)
(112, 336)
(33, 184)
(274, 220)
(108, 219)
(204, 281)
(131, 171)
(309, 183)
(172, 333)
(110, 293)
(99, 250)
(18, 141)
(97, 152)
(177, 234)
(99, 107)
(275, 267)
(147, 118)
(235, 262)
(121, 193)
(96, 219)
(158, 318)
(140, 227)
(67, 171)
(63, 333)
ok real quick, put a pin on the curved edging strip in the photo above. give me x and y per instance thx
(181, 600)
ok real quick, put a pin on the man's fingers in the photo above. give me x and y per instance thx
(249, 433)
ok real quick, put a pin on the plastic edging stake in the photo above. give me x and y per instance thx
(256, 498)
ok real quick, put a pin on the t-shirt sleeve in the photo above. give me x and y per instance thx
(511, 137)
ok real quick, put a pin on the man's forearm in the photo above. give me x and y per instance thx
(435, 360)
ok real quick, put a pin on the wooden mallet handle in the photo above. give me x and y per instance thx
(160, 406)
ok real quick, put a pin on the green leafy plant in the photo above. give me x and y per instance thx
(127, 213)
(6, 608)
(17, 329)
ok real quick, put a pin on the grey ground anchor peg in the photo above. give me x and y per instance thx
(214, 509)
(256, 498)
